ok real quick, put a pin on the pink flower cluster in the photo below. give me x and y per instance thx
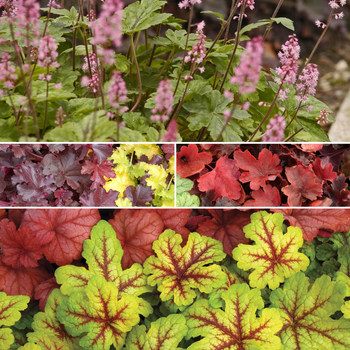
(171, 132)
(28, 19)
(47, 55)
(188, 3)
(108, 27)
(323, 117)
(249, 3)
(197, 54)
(334, 4)
(247, 72)
(308, 82)
(60, 116)
(92, 83)
(275, 129)
(7, 72)
(117, 92)
(10, 8)
(94, 62)
(164, 100)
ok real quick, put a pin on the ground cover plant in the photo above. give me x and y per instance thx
(168, 279)
(81, 75)
(263, 175)
(94, 175)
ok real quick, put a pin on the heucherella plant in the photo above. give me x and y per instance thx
(189, 295)
(102, 71)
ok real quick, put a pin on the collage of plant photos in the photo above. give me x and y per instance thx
(167, 180)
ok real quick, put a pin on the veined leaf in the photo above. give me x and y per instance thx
(237, 327)
(100, 313)
(307, 324)
(275, 255)
(164, 334)
(176, 270)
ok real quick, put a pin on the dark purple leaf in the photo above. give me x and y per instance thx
(102, 152)
(99, 198)
(168, 149)
(139, 196)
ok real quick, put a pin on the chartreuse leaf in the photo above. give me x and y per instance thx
(48, 332)
(177, 271)
(10, 307)
(31, 346)
(103, 254)
(164, 334)
(305, 312)
(275, 255)
(100, 313)
(237, 327)
(343, 274)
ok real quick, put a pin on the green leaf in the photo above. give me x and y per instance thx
(305, 312)
(31, 346)
(275, 255)
(183, 185)
(187, 200)
(221, 17)
(314, 129)
(237, 327)
(343, 274)
(286, 22)
(164, 334)
(48, 332)
(176, 270)
(100, 313)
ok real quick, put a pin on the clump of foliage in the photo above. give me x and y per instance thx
(64, 78)
(94, 175)
(187, 293)
(266, 175)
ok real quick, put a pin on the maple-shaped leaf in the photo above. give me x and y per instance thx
(99, 170)
(10, 307)
(61, 231)
(275, 255)
(337, 191)
(226, 227)
(66, 167)
(323, 170)
(220, 149)
(139, 196)
(21, 281)
(190, 162)
(176, 270)
(99, 198)
(305, 312)
(103, 254)
(31, 182)
(119, 183)
(312, 221)
(99, 315)
(303, 184)
(164, 334)
(260, 170)
(223, 179)
(267, 197)
(19, 248)
(136, 232)
(48, 331)
(101, 151)
(168, 149)
(43, 290)
(237, 327)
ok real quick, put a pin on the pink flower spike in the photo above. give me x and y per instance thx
(308, 82)
(164, 102)
(47, 54)
(117, 92)
(171, 133)
(197, 54)
(275, 129)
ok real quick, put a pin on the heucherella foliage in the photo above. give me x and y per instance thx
(275, 255)
(177, 270)
(237, 327)
(306, 314)
(10, 307)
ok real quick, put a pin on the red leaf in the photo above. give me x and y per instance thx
(303, 184)
(190, 162)
(337, 192)
(259, 171)
(227, 227)
(176, 219)
(21, 281)
(100, 171)
(99, 198)
(3, 214)
(266, 197)
(223, 179)
(136, 232)
(19, 248)
(61, 231)
(43, 290)
(311, 147)
(323, 170)
(311, 221)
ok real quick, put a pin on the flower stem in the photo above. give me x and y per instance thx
(137, 72)
(46, 102)
(267, 31)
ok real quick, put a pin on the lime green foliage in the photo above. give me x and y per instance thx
(164, 334)
(275, 254)
(177, 271)
(30, 346)
(10, 307)
(306, 314)
(237, 327)
(100, 313)
(103, 254)
(48, 332)
(129, 173)
(183, 198)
